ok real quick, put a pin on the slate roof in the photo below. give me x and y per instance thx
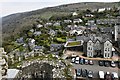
(38, 47)
(106, 29)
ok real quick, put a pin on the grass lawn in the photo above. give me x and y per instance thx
(73, 43)
(61, 40)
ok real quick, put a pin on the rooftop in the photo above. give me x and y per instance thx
(73, 43)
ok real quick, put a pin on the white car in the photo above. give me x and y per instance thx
(77, 60)
(113, 64)
(114, 75)
(101, 74)
(73, 60)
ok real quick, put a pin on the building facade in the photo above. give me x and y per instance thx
(99, 48)
(107, 49)
(90, 50)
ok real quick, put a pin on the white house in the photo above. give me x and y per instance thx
(67, 21)
(101, 9)
(90, 50)
(107, 49)
(39, 25)
(77, 21)
(75, 14)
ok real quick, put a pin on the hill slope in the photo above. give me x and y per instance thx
(13, 24)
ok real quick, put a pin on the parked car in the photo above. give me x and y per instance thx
(114, 75)
(108, 76)
(106, 64)
(91, 62)
(113, 64)
(90, 74)
(101, 63)
(86, 61)
(101, 74)
(78, 72)
(73, 60)
(84, 72)
(77, 60)
(118, 64)
(82, 61)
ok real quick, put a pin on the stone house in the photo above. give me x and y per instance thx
(77, 21)
(98, 48)
(107, 49)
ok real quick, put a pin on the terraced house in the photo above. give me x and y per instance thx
(98, 48)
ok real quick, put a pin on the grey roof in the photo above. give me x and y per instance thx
(57, 46)
(20, 40)
(71, 39)
(106, 29)
(38, 47)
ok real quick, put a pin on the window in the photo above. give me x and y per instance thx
(108, 55)
(105, 55)
(107, 44)
(105, 49)
(108, 49)
(88, 48)
(91, 48)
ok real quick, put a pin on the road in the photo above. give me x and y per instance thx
(95, 68)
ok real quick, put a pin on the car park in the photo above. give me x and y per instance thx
(90, 74)
(91, 62)
(101, 63)
(113, 64)
(78, 72)
(106, 63)
(86, 61)
(84, 72)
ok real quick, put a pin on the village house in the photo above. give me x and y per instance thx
(56, 24)
(39, 26)
(101, 9)
(38, 50)
(106, 29)
(98, 48)
(48, 24)
(77, 21)
(52, 32)
(37, 33)
(89, 15)
(74, 14)
(67, 21)
(107, 49)
(20, 40)
(76, 32)
(56, 48)
(31, 43)
(107, 21)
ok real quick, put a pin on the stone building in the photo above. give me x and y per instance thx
(98, 48)
(3, 63)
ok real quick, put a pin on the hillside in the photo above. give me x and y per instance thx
(16, 23)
